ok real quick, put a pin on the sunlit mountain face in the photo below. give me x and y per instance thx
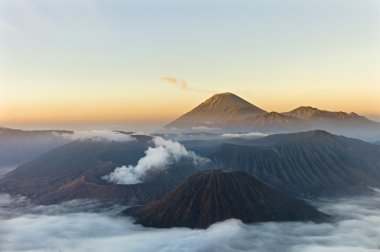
(189, 126)
(227, 112)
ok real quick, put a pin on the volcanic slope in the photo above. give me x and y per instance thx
(312, 163)
(227, 112)
(212, 196)
(75, 171)
(220, 110)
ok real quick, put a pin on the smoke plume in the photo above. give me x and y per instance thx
(159, 157)
(182, 84)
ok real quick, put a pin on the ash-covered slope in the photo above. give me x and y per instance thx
(306, 164)
(212, 196)
(220, 110)
(75, 170)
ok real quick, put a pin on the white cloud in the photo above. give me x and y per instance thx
(5, 199)
(6, 169)
(182, 84)
(358, 229)
(100, 135)
(244, 135)
(159, 157)
(204, 128)
(175, 81)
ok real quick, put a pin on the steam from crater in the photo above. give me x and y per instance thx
(160, 157)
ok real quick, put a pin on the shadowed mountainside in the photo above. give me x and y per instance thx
(305, 164)
(212, 196)
(75, 170)
(19, 146)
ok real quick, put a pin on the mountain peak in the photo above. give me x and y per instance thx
(287, 138)
(211, 196)
(219, 110)
(225, 112)
(227, 101)
(224, 94)
(304, 109)
(308, 112)
(318, 135)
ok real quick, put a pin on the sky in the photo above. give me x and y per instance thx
(111, 61)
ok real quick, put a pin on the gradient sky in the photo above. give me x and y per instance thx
(74, 61)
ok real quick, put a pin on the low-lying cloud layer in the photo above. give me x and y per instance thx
(357, 230)
(100, 135)
(159, 157)
(6, 169)
(204, 128)
(244, 135)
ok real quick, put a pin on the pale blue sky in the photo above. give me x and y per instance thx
(94, 57)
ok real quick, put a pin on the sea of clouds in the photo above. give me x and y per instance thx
(91, 226)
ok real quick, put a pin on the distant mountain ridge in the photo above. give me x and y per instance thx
(305, 164)
(18, 146)
(313, 163)
(229, 112)
(308, 112)
(75, 171)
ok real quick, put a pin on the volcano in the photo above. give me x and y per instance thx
(227, 112)
(75, 171)
(306, 164)
(220, 110)
(212, 196)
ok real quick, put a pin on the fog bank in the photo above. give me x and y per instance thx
(100, 135)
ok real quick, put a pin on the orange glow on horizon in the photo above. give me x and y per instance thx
(168, 110)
